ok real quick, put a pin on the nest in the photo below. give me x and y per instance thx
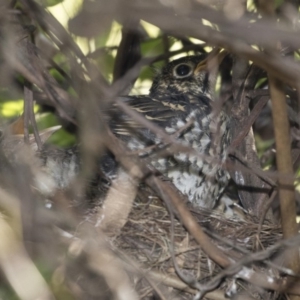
(147, 240)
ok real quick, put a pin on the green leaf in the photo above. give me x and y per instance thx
(58, 77)
(260, 82)
(49, 2)
(62, 138)
(152, 47)
(106, 64)
(100, 40)
(278, 3)
(9, 109)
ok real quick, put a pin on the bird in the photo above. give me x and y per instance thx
(180, 102)
(180, 99)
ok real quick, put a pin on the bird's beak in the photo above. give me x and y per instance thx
(213, 60)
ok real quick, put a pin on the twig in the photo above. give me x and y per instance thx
(283, 153)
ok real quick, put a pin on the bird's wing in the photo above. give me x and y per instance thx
(160, 111)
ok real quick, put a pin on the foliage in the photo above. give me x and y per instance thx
(66, 63)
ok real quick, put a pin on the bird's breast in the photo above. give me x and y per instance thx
(198, 173)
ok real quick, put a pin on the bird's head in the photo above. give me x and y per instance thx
(182, 76)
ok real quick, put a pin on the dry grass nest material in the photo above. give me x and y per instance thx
(146, 240)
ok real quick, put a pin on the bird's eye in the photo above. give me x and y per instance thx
(182, 71)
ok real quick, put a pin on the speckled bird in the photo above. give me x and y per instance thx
(181, 95)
